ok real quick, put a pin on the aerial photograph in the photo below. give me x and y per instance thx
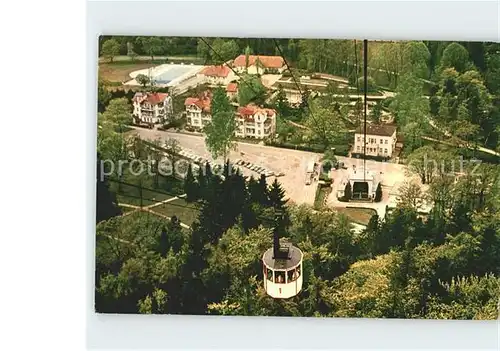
(297, 177)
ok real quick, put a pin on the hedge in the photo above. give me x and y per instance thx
(311, 148)
(368, 157)
(340, 150)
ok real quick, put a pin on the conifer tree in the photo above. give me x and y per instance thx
(263, 194)
(277, 195)
(277, 201)
(106, 203)
(378, 193)
(208, 172)
(190, 186)
(163, 243)
(253, 189)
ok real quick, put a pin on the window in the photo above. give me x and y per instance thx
(381, 141)
(279, 277)
(359, 139)
(385, 150)
(269, 274)
(293, 274)
(386, 141)
(358, 148)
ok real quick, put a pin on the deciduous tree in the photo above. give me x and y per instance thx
(143, 80)
(250, 90)
(110, 49)
(118, 112)
(219, 134)
(455, 56)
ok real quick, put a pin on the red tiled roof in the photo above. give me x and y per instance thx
(232, 88)
(156, 98)
(152, 98)
(202, 102)
(248, 111)
(216, 71)
(267, 61)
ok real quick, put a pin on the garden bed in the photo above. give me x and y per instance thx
(322, 193)
(357, 215)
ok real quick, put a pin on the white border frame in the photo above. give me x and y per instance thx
(441, 20)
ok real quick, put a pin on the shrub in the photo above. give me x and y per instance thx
(372, 86)
(347, 192)
(369, 157)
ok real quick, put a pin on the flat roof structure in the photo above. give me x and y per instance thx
(358, 174)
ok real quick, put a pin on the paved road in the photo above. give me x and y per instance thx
(291, 162)
(448, 134)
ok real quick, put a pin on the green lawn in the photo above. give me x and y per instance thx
(126, 209)
(131, 195)
(186, 215)
(357, 214)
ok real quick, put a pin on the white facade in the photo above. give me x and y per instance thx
(217, 75)
(196, 117)
(376, 144)
(198, 110)
(359, 175)
(218, 80)
(259, 64)
(253, 122)
(259, 69)
(152, 108)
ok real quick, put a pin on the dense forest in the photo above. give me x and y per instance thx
(401, 266)
(444, 265)
(445, 89)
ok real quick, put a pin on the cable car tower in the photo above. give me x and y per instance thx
(282, 266)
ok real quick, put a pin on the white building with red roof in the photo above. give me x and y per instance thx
(151, 108)
(255, 122)
(198, 110)
(217, 75)
(259, 64)
(232, 90)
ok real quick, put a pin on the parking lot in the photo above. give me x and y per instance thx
(291, 163)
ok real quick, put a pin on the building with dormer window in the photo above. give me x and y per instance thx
(198, 110)
(255, 122)
(151, 108)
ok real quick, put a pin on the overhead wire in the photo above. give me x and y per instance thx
(295, 81)
(228, 65)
